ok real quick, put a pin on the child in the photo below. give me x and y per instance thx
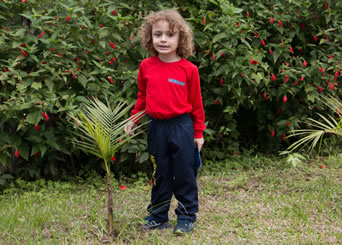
(169, 91)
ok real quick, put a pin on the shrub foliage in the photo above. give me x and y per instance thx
(262, 66)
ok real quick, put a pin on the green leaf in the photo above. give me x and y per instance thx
(103, 33)
(43, 149)
(24, 151)
(219, 37)
(33, 117)
(257, 76)
(237, 10)
(83, 80)
(36, 85)
(49, 83)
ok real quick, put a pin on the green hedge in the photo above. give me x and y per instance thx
(262, 66)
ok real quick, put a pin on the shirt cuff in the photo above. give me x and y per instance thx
(198, 134)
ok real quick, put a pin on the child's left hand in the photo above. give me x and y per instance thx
(199, 142)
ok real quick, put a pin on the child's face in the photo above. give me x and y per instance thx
(164, 41)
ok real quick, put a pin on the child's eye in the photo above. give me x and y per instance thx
(170, 34)
(157, 34)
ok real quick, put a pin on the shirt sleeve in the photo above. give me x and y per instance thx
(140, 105)
(195, 99)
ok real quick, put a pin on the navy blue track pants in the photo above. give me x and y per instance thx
(171, 148)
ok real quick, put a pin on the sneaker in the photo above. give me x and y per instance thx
(152, 224)
(183, 226)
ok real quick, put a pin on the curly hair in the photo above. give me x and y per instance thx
(176, 22)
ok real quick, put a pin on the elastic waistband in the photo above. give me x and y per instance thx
(172, 119)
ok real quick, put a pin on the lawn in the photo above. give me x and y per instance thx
(276, 205)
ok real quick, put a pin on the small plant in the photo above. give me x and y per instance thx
(317, 128)
(101, 133)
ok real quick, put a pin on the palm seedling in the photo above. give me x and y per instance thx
(100, 132)
(310, 136)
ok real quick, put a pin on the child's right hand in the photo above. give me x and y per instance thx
(129, 127)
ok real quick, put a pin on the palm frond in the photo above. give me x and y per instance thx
(100, 129)
(318, 128)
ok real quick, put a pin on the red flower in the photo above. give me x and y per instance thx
(315, 38)
(114, 60)
(286, 79)
(112, 45)
(131, 38)
(215, 101)
(302, 78)
(336, 75)
(36, 127)
(111, 80)
(214, 57)
(272, 133)
(101, 25)
(271, 20)
(110, 62)
(326, 5)
(113, 158)
(296, 83)
(253, 62)
(23, 45)
(67, 71)
(5, 69)
(265, 94)
(23, 1)
(331, 86)
(107, 53)
(288, 124)
(302, 26)
(59, 54)
(291, 49)
(123, 187)
(320, 89)
(323, 166)
(67, 18)
(45, 116)
(305, 63)
(285, 98)
(242, 75)
(221, 82)
(263, 42)
(41, 34)
(284, 136)
(16, 153)
(203, 21)
(248, 14)
(114, 12)
(321, 69)
(280, 23)
(256, 35)
(331, 57)
(74, 76)
(36, 154)
(270, 51)
(76, 59)
(274, 77)
(24, 53)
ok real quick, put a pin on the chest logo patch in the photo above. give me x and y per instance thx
(176, 81)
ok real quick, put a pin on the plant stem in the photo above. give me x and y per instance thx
(110, 223)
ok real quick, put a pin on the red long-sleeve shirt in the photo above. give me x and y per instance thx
(170, 89)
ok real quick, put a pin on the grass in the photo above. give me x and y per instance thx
(276, 205)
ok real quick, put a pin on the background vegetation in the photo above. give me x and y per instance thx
(262, 66)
